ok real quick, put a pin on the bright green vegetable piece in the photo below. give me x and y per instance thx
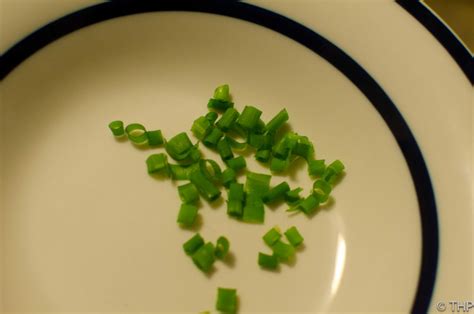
(236, 163)
(235, 199)
(337, 165)
(254, 211)
(304, 148)
(228, 119)
(276, 122)
(257, 184)
(222, 247)
(293, 195)
(240, 146)
(222, 93)
(272, 236)
(224, 149)
(294, 237)
(333, 171)
(193, 244)
(188, 193)
(268, 261)
(321, 190)
(179, 172)
(205, 187)
(263, 155)
(226, 300)
(316, 167)
(117, 128)
(179, 146)
(212, 116)
(204, 258)
(136, 133)
(157, 163)
(213, 137)
(187, 214)
(282, 250)
(219, 105)
(309, 205)
(276, 193)
(256, 140)
(155, 138)
(279, 165)
(201, 127)
(249, 118)
(228, 176)
(211, 170)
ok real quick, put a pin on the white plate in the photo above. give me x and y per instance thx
(86, 229)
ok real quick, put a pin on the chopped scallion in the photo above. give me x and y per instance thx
(188, 193)
(201, 127)
(249, 118)
(207, 189)
(316, 167)
(222, 247)
(254, 211)
(228, 176)
(179, 146)
(276, 193)
(193, 244)
(283, 250)
(219, 105)
(204, 258)
(272, 236)
(222, 93)
(117, 128)
(224, 149)
(293, 195)
(257, 184)
(294, 236)
(237, 163)
(268, 261)
(212, 116)
(136, 133)
(155, 138)
(263, 155)
(309, 205)
(235, 199)
(157, 163)
(276, 122)
(213, 137)
(187, 214)
(228, 119)
(321, 190)
(226, 300)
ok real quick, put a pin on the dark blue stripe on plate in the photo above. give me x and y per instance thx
(443, 34)
(306, 37)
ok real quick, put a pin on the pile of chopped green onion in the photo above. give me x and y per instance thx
(228, 132)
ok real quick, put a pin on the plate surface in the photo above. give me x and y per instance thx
(81, 216)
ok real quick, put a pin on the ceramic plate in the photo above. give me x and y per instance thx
(86, 229)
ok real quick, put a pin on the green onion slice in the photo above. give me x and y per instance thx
(294, 236)
(226, 300)
(204, 258)
(187, 214)
(272, 236)
(136, 133)
(188, 193)
(117, 128)
(268, 261)
(193, 244)
(155, 138)
(222, 247)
